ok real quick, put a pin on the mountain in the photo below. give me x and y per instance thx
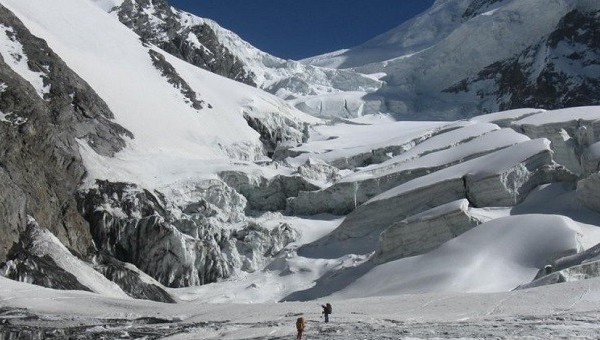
(97, 103)
(202, 42)
(128, 173)
(462, 58)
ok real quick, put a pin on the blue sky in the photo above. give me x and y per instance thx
(297, 29)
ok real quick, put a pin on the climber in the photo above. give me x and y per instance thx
(300, 327)
(326, 311)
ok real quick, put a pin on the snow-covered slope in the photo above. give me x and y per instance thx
(181, 126)
(219, 192)
(466, 57)
(205, 44)
(170, 133)
(414, 36)
(495, 256)
(558, 311)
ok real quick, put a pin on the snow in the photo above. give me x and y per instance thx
(556, 311)
(171, 139)
(46, 244)
(441, 210)
(13, 54)
(589, 113)
(269, 70)
(330, 142)
(425, 56)
(12, 119)
(415, 35)
(496, 256)
(477, 168)
(286, 274)
(177, 147)
(107, 5)
(457, 143)
(489, 13)
(594, 150)
(510, 115)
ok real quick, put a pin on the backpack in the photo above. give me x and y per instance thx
(300, 324)
(328, 308)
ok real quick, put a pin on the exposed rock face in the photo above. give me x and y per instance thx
(197, 43)
(203, 43)
(41, 259)
(423, 232)
(560, 71)
(169, 72)
(40, 128)
(477, 7)
(133, 281)
(519, 56)
(178, 246)
(41, 271)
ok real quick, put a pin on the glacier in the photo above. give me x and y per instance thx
(145, 195)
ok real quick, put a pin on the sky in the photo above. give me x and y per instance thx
(296, 29)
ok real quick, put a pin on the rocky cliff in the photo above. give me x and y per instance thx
(46, 111)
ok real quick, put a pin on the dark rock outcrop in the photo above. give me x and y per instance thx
(130, 279)
(558, 72)
(40, 165)
(477, 7)
(172, 36)
(168, 71)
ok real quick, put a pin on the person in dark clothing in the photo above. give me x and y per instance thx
(300, 327)
(326, 311)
